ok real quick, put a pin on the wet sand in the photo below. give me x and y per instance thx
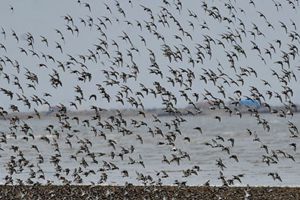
(149, 192)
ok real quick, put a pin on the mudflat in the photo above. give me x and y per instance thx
(146, 192)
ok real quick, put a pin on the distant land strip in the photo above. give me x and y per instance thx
(204, 109)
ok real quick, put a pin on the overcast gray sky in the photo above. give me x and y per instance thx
(41, 18)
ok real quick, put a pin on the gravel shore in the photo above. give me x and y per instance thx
(149, 192)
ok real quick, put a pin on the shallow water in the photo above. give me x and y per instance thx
(249, 152)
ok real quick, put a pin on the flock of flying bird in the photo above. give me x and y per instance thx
(171, 45)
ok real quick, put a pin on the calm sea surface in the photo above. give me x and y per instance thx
(251, 154)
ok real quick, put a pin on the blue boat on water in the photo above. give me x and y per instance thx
(251, 103)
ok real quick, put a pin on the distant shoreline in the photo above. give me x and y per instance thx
(203, 110)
